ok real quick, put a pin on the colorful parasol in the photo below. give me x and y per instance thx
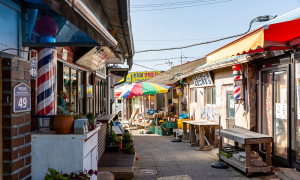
(144, 88)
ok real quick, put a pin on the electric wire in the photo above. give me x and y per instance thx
(154, 40)
(165, 59)
(192, 45)
(181, 6)
(145, 67)
(169, 4)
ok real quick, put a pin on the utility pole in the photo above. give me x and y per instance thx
(181, 58)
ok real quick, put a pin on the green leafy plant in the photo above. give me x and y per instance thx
(118, 141)
(76, 114)
(111, 138)
(127, 136)
(55, 175)
(91, 117)
(63, 112)
(244, 114)
(129, 146)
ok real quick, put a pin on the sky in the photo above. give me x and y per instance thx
(199, 21)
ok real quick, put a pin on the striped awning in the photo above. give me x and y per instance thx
(280, 34)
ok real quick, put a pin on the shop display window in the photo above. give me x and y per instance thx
(74, 89)
(89, 89)
(66, 87)
(81, 90)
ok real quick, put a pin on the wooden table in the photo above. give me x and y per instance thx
(247, 138)
(192, 132)
(107, 117)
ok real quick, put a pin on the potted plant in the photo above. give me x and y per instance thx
(63, 122)
(83, 175)
(129, 148)
(91, 117)
(113, 143)
(127, 138)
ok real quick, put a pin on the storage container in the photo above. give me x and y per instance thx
(180, 125)
(171, 124)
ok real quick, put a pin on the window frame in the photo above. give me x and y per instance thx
(194, 95)
(227, 108)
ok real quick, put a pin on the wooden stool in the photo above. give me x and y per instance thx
(102, 175)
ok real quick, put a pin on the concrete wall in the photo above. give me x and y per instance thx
(222, 79)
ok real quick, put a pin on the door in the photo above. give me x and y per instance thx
(275, 111)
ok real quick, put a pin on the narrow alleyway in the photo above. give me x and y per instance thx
(174, 161)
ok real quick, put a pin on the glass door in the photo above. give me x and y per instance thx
(275, 111)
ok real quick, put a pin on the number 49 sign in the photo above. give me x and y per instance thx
(21, 98)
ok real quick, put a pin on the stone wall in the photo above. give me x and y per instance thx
(16, 127)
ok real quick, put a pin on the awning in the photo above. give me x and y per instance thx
(280, 34)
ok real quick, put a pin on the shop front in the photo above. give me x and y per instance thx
(278, 106)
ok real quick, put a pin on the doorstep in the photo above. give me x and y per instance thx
(288, 174)
(119, 163)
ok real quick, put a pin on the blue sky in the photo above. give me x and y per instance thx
(203, 23)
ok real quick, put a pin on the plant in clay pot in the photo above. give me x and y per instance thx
(82, 175)
(63, 122)
(129, 148)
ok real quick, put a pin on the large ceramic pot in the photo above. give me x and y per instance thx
(63, 124)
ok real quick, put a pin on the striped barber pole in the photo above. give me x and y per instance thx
(237, 89)
(46, 81)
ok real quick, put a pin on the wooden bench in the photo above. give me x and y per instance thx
(247, 138)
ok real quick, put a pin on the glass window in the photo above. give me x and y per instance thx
(210, 95)
(81, 90)
(66, 88)
(230, 106)
(194, 95)
(58, 82)
(74, 87)
(97, 97)
(89, 89)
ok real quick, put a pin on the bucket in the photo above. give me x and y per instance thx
(43, 121)
(180, 124)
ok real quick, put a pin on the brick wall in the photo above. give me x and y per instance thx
(16, 127)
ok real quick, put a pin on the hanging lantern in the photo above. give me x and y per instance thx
(236, 67)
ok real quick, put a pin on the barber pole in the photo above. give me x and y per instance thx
(46, 81)
(47, 28)
(236, 76)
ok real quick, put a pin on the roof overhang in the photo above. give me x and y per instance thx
(283, 34)
(80, 16)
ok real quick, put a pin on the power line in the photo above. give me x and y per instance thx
(192, 45)
(175, 40)
(167, 4)
(182, 6)
(145, 67)
(165, 59)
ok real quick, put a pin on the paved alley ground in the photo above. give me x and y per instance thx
(176, 161)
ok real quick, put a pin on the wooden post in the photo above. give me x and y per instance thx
(201, 136)
(192, 134)
(216, 137)
(248, 155)
(184, 129)
(268, 154)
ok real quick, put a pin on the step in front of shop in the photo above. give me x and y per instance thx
(288, 174)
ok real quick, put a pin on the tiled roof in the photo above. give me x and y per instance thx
(166, 77)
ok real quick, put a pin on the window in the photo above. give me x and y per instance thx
(81, 91)
(194, 95)
(230, 108)
(211, 95)
(73, 89)
(66, 87)
(89, 89)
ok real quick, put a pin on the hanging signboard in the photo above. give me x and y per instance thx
(33, 68)
(203, 80)
(21, 101)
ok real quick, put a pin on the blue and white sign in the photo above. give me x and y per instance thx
(203, 80)
(22, 98)
(33, 68)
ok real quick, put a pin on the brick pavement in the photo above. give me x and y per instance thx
(179, 161)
